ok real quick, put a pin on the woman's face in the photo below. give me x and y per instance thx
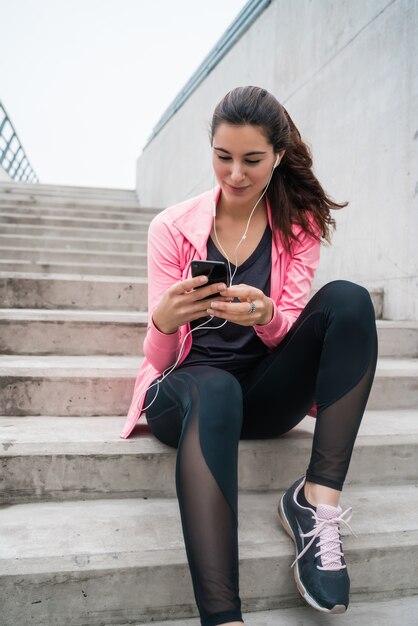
(242, 159)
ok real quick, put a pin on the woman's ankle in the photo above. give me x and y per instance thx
(319, 494)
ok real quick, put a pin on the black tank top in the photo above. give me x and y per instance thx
(233, 347)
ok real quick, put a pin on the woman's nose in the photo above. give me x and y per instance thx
(237, 173)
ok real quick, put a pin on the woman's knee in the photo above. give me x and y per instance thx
(349, 300)
(220, 398)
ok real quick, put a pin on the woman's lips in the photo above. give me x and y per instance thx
(237, 189)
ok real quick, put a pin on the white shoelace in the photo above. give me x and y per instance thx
(329, 543)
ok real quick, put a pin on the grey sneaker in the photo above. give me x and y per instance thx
(320, 568)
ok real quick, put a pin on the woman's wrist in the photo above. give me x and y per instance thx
(159, 324)
(269, 313)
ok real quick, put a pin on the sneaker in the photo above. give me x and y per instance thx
(320, 570)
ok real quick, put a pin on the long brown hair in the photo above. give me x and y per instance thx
(294, 189)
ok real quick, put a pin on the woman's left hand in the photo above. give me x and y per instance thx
(237, 312)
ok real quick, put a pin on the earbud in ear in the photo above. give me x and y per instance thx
(277, 162)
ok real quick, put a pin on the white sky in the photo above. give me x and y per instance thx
(85, 81)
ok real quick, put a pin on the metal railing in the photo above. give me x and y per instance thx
(12, 155)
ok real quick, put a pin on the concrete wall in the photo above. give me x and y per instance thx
(347, 71)
(4, 176)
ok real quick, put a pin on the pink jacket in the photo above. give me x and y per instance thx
(177, 236)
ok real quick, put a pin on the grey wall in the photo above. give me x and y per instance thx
(346, 70)
(4, 176)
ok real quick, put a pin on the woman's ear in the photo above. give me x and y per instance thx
(279, 158)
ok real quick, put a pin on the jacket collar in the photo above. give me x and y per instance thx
(197, 231)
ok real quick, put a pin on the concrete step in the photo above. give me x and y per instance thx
(66, 385)
(68, 267)
(43, 332)
(65, 231)
(34, 200)
(103, 385)
(137, 224)
(58, 331)
(35, 195)
(397, 338)
(367, 613)
(40, 189)
(72, 243)
(78, 255)
(94, 212)
(101, 562)
(50, 458)
(70, 291)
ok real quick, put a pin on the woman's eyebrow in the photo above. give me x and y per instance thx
(246, 154)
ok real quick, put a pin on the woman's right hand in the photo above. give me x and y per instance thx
(184, 302)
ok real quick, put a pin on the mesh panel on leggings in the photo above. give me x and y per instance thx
(336, 430)
(209, 526)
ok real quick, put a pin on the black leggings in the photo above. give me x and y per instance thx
(329, 357)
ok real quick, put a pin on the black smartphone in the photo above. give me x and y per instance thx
(216, 271)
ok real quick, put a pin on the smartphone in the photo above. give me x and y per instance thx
(216, 271)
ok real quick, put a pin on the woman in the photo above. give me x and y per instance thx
(264, 358)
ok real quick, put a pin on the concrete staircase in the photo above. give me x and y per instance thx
(89, 524)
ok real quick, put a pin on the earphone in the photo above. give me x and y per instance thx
(171, 367)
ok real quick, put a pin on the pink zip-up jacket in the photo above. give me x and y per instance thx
(176, 237)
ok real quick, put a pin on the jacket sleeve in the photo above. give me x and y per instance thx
(161, 349)
(296, 291)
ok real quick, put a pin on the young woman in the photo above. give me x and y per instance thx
(265, 356)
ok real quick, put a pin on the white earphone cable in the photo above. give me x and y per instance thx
(171, 367)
